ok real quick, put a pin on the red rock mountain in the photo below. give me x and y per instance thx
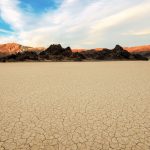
(138, 48)
(144, 48)
(12, 48)
(78, 50)
(9, 48)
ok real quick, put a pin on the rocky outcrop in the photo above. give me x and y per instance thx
(141, 56)
(90, 54)
(21, 56)
(143, 53)
(77, 56)
(118, 53)
(56, 52)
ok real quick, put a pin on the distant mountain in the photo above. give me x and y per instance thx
(83, 49)
(78, 50)
(143, 48)
(13, 48)
(130, 49)
(56, 52)
(118, 53)
(10, 48)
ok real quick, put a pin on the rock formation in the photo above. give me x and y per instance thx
(21, 56)
(144, 54)
(56, 52)
(77, 56)
(118, 53)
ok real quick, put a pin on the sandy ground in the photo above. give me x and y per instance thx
(75, 106)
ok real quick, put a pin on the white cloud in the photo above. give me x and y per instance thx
(143, 32)
(124, 16)
(77, 23)
(12, 14)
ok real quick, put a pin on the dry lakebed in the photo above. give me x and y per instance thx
(75, 105)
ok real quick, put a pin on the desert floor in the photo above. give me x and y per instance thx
(75, 106)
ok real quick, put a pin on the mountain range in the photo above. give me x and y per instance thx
(13, 52)
(142, 50)
(13, 48)
(130, 49)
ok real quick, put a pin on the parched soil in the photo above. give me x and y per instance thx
(75, 106)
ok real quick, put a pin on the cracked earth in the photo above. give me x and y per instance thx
(75, 106)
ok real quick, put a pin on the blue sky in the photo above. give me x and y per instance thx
(38, 6)
(75, 23)
(4, 25)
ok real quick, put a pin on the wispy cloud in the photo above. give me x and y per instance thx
(6, 31)
(77, 23)
(144, 32)
(12, 14)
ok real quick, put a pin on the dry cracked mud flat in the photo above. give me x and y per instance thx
(75, 106)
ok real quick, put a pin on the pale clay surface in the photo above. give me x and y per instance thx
(75, 106)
